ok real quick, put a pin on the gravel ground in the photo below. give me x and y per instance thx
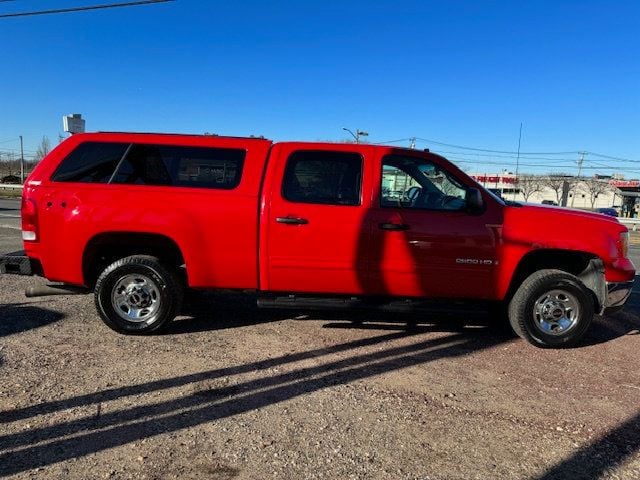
(235, 392)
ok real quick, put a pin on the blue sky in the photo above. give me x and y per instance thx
(460, 72)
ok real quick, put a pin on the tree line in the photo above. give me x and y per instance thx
(561, 185)
(10, 161)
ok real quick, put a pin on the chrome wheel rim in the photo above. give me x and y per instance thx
(135, 298)
(556, 312)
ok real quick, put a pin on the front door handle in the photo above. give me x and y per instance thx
(292, 220)
(394, 226)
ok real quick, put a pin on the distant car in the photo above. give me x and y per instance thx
(549, 202)
(612, 212)
(10, 179)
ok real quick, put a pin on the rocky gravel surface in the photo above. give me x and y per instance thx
(235, 392)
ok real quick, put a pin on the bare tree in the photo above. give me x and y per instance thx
(528, 185)
(555, 182)
(592, 188)
(43, 149)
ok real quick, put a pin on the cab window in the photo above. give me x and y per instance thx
(413, 182)
(324, 177)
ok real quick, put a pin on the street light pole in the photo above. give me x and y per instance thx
(356, 136)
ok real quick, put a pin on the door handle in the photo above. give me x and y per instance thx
(393, 226)
(292, 220)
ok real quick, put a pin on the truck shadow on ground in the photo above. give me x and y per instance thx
(215, 311)
(220, 393)
(20, 317)
(216, 394)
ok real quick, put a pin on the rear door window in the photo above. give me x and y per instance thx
(323, 177)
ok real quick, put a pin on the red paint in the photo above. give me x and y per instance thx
(230, 238)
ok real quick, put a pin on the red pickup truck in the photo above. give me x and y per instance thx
(138, 218)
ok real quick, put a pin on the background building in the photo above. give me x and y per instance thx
(585, 192)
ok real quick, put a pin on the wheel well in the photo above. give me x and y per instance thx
(105, 248)
(581, 264)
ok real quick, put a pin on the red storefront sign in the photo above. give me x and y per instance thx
(494, 179)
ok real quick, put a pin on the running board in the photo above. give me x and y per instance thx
(367, 303)
(54, 289)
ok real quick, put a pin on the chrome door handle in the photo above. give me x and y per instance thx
(292, 220)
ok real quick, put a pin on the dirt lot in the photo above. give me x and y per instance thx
(234, 392)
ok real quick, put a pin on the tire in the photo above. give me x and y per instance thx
(551, 309)
(138, 295)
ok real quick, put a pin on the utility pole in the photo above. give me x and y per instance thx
(515, 183)
(580, 162)
(21, 161)
(582, 154)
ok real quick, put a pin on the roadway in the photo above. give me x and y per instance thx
(9, 225)
(9, 210)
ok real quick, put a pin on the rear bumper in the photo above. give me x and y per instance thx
(617, 295)
(18, 263)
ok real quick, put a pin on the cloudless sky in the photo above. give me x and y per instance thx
(459, 72)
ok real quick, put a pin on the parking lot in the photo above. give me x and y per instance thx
(235, 392)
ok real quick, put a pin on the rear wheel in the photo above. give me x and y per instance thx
(552, 309)
(138, 295)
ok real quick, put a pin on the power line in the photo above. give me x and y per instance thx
(459, 160)
(82, 9)
(393, 141)
(620, 159)
(510, 154)
(493, 155)
(462, 147)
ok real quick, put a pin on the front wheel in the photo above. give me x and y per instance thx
(551, 309)
(137, 295)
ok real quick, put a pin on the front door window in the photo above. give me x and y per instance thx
(411, 182)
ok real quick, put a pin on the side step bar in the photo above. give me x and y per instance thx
(295, 301)
(54, 289)
(408, 305)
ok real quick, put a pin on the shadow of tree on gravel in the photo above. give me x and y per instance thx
(20, 317)
(211, 400)
(220, 393)
(601, 456)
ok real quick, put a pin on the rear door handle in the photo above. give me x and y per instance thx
(393, 226)
(292, 220)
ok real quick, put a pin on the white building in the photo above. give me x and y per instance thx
(586, 193)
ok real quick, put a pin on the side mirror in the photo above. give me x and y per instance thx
(474, 201)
